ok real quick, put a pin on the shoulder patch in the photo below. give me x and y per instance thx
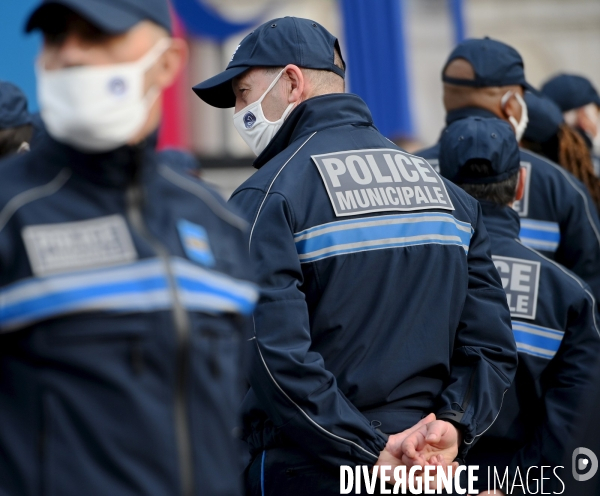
(522, 206)
(70, 246)
(194, 239)
(380, 180)
(521, 281)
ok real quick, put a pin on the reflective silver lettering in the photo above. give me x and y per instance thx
(366, 178)
(376, 172)
(392, 167)
(401, 163)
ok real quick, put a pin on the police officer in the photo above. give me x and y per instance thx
(554, 319)
(548, 135)
(485, 78)
(380, 301)
(579, 100)
(123, 283)
(16, 127)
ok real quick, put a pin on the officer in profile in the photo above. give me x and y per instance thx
(380, 301)
(554, 318)
(16, 128)
(579, 100)
(547, 134)
(123, 283)
(486, 78)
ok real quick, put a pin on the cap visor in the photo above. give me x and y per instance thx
(217, 90)
(106, 17)
(527, 87)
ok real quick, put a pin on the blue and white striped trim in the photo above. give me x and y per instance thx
(376, 233)
(137, 287)
(536, 340)
(540, 234)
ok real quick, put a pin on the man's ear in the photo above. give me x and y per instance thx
(171, 63)
(521, 184)
(297, 83)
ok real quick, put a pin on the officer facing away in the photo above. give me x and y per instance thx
(485, 78)
(380, 301)
(554, 317)
(579, 100)
(549, 135)
(122, 281)
(16, 128)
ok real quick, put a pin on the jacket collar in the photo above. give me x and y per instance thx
(117, 168)
(316, 114)
(463, 113)
(500, 220)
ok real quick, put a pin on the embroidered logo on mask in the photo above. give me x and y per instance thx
(117, 86)
(249, 120)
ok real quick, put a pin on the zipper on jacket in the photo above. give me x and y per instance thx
(135, 201)
(467, 399)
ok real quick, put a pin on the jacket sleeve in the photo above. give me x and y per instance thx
(291, 381)
(484, 360)
(579, 248)
(567, 380)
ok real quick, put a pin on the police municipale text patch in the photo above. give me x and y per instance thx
(520, 280)
(380, 180)
(70, 246)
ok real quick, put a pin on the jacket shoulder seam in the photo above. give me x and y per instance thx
(32, 194)
(203, 194)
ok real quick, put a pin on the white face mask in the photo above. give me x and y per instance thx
(98, 108)
(253, 126)
(522, 124)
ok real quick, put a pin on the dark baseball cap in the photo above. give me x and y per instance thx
(110, 16)
(570, 91)
(13, 106)
(494, 64)
(479, 139)
(545, 117)
(276, 43)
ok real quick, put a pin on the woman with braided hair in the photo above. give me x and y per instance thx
(547, 134)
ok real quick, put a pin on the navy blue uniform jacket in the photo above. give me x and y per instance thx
(365, 322)
(558, 216)
(123, 295)
(559, 344)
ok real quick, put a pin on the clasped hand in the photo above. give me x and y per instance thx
(429, 442)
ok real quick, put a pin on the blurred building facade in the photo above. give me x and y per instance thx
(551, 35)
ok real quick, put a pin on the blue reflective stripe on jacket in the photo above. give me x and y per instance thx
(558, 350)
(91, 360)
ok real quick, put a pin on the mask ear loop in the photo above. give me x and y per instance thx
(147, 61)
(503, 102)
(271, 86)
(24, 148)
(289, 108)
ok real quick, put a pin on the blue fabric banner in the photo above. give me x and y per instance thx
(376, 58)
(19, 50)
(202, 20)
